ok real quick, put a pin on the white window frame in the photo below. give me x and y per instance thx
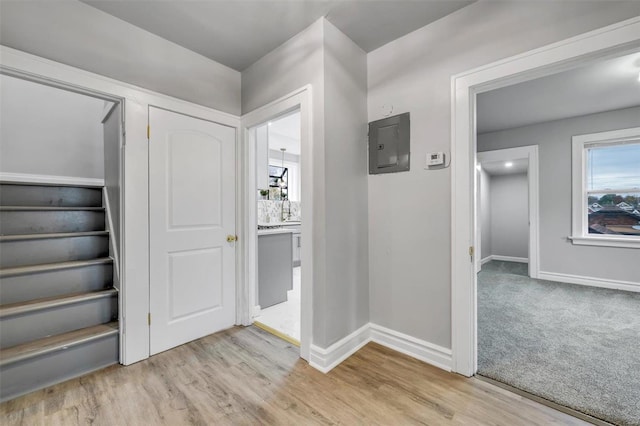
(580, 234)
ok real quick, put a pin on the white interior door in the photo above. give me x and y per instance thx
(191, 213)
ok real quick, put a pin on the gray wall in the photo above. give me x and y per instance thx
(41, 125)
(485, 214)
(79, 35)
(336, 70)
(558, 255)
(292, 65)
(409, 213)
(296, 63)
(510, 215)
(347, 283)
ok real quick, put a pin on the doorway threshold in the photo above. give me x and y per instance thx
(277, 333)
(551, 404)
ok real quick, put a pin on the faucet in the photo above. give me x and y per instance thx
(284, 217)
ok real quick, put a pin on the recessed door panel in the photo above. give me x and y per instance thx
(195, 282)
(194, 158)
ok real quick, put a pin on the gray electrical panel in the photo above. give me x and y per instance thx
(389, 145)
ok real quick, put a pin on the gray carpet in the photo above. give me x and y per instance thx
(574, 345)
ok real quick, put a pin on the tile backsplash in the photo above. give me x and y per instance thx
(269, 211)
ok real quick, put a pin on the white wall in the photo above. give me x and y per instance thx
(557, 254)
(510, 215)
(79, 35)
(409, 213)
(262, 157)
(49, 131)
(336, 70)
(485, 214)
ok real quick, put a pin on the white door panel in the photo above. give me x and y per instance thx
(192, 210)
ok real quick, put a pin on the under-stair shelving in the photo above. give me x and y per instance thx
(58, 306)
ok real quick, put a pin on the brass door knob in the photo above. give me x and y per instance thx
(232, 238)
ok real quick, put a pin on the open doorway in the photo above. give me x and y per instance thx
(60, 227)
(279, 225)
(290, 107)
(507, 208)
(567, 336)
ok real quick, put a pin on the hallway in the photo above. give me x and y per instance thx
(245, 376)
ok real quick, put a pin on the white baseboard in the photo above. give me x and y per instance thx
(589, 281)
(255, 312)
(50, 180)
(486, 260)
(509, 258)
(420, 349)
(327, 359)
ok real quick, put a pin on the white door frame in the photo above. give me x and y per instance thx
(134, 279)
(64, 180)
(298, 99)
(530, 153)
(606, 42)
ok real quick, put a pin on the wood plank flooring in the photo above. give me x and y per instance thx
(245, 376)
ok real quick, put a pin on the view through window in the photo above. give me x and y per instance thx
(612, 184)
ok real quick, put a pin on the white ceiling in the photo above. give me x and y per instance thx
(494, 168)
(285, 133)
(238, 33)
(603, 86)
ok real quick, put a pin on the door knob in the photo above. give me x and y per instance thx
(232, 238)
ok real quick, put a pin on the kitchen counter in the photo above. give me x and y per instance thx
(287, 223)
(274, 231)
(272, 228)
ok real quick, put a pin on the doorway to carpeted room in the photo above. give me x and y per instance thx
(574, 345)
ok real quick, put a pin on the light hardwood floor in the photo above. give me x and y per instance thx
(247, 376)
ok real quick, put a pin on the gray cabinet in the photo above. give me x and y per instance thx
(275, 269)
(296, 246)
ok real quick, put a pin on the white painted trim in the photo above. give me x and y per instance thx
(509, 258)
(115, 250)
(609, 41)
(420, 349)
(50, 180)
(590, 281)
(530, 153)
(112, 237)
(255, 312)
(606, 241)
(134, 262)
(579, 223)
(107, 110)
(504, 259)
(327, 359)
(298, 99)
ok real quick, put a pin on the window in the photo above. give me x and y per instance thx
(606, 188)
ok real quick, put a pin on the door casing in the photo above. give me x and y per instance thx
(607, 42)
(530, 153)
(298, 99)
